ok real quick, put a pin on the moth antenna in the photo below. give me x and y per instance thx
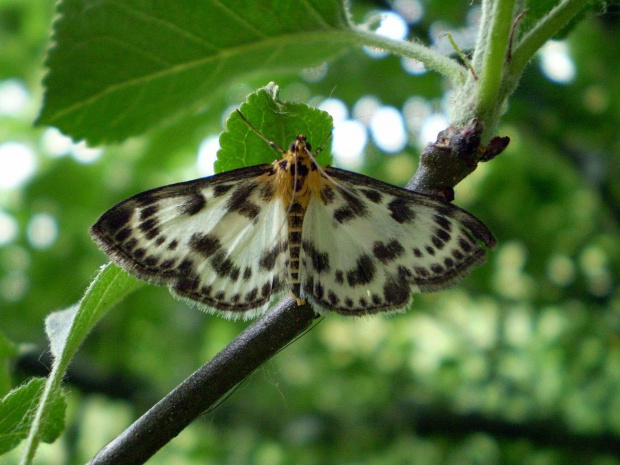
(321, 147)
(271, 143)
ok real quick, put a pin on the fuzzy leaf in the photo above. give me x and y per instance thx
(17, 411)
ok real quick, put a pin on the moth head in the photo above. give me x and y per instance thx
(300, 144)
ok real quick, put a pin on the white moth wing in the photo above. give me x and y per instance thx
(220, 242)
(368, 246)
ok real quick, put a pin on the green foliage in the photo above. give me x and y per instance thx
(8, 351)
(279, 122)
(176, 56)
(67, 330)
(17, 411)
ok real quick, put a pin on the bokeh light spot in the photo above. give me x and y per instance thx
(388, 129)
(316, 73)
(42, 230)
(392, 26)
(55, 144)
(8, 228)
(412, 11)
(556, 63)
(207, 155)
(14, 97)
(349, 140)
(85, 154)
(336, 108)
(432, 125)
(17, 164)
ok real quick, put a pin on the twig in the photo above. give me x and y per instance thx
(202, 389)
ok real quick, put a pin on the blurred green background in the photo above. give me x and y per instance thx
(518, 364)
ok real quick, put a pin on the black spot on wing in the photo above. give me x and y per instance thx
(114, 219)
(443, 234)
(238, 201)
(319, 290)
(333, 298)
(205, 244)
(363, 273)
(343, 214)
(465, 245)
(223, 266)
(387, 252)
(186, 266)
(437, 268)
(122, 235)
(193, 204)
(320, 260)
(149, 211)
(443, 222)
(251, 296)
(396, 292)
(266, 289)
(221, 189)
(327, 194)
(353, 208)
(421, 271)
(372, 195)
(268, 258)
(152, 233)
(188, 283)
(401, 211)
(267, 191)
(148, 225)
(437, 242)
(167, 264)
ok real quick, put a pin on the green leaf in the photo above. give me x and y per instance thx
(67, 329)
(117, 68)
(8, 350)
(17, 412)
(279, 122)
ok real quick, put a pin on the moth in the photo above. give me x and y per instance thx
(343, 242)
